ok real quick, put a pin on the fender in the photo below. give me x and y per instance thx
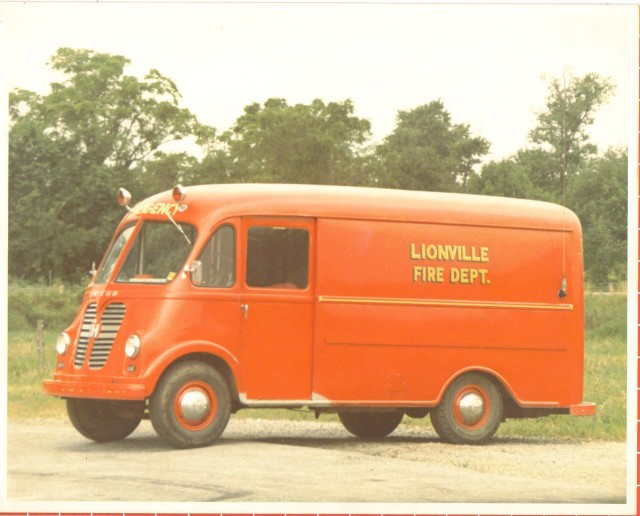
(154, 370)
(501, 380)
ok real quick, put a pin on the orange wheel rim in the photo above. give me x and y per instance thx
(195, 405)
(471, 407)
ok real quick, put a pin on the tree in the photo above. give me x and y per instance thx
(71, 149)
(165, 171)
(561, 128)
(427, 151)
(113, 118)
(540, 167)
(502, 178)
(276, 142)
(598, 195)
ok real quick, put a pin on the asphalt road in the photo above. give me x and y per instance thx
(285, 461)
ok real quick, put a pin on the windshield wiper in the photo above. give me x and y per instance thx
(179, 228)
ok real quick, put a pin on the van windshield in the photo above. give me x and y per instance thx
(157, 254)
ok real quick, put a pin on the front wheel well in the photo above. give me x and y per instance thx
(216, 362)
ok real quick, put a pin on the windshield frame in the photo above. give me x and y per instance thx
(118, 258)
(121, 259)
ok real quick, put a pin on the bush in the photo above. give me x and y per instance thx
(56, 306)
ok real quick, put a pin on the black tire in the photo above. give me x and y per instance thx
(210, 406)
(103, 420)
(470, 411)
(370, 425)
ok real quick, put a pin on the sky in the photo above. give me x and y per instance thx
(490, 65)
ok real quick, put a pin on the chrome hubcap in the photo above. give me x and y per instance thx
(195, 405)
(471, 407)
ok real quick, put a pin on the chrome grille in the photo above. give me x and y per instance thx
(110, 322)
(88, 321)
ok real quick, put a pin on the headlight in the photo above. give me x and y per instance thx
(132, 346)
(62, 344)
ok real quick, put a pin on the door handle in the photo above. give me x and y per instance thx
(245, 309)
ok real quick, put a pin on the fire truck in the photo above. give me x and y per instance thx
(373, 304)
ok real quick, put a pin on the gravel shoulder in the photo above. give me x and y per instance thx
(301, 461)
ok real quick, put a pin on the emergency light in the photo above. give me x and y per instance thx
(178, 193)
(124, 197)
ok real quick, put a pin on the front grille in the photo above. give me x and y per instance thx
(110, 322)
(88, 322)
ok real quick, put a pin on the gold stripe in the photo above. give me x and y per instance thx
(443, 303)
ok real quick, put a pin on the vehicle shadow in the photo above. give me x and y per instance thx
(148, 442)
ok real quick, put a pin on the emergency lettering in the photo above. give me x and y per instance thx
(157, 208)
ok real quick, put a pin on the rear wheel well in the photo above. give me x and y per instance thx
(511, 408)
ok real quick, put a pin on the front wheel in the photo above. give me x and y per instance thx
(470, 410)
(370, 425)
(103, 420)
(191, 405)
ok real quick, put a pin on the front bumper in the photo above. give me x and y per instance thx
(115, 389)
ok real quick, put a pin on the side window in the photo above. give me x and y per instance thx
(219, 259)
(278, 257)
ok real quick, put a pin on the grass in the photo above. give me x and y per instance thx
(605, 380)
(24, 377)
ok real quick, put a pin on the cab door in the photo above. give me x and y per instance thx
(277, 308)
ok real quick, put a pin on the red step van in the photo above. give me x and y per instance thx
(371, 303)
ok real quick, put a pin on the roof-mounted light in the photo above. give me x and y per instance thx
(178, 193)
(124, 197)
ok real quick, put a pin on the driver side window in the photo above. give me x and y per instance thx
(219, 259)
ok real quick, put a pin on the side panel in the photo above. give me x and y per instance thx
(403, 307)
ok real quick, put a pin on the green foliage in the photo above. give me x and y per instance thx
(427, 151)
(605, 317)
(110, 117)
(598, 194)
(561, 128)
(540, 168)
(164, 171)
(25, 398)
(505, 178)
(70, 151)
(279, 143)
(56, 306)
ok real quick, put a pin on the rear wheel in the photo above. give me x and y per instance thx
(191, 405)
(470, 410)
(370, 425)
(103, 420)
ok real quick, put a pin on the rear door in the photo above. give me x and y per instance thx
(277, 308)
